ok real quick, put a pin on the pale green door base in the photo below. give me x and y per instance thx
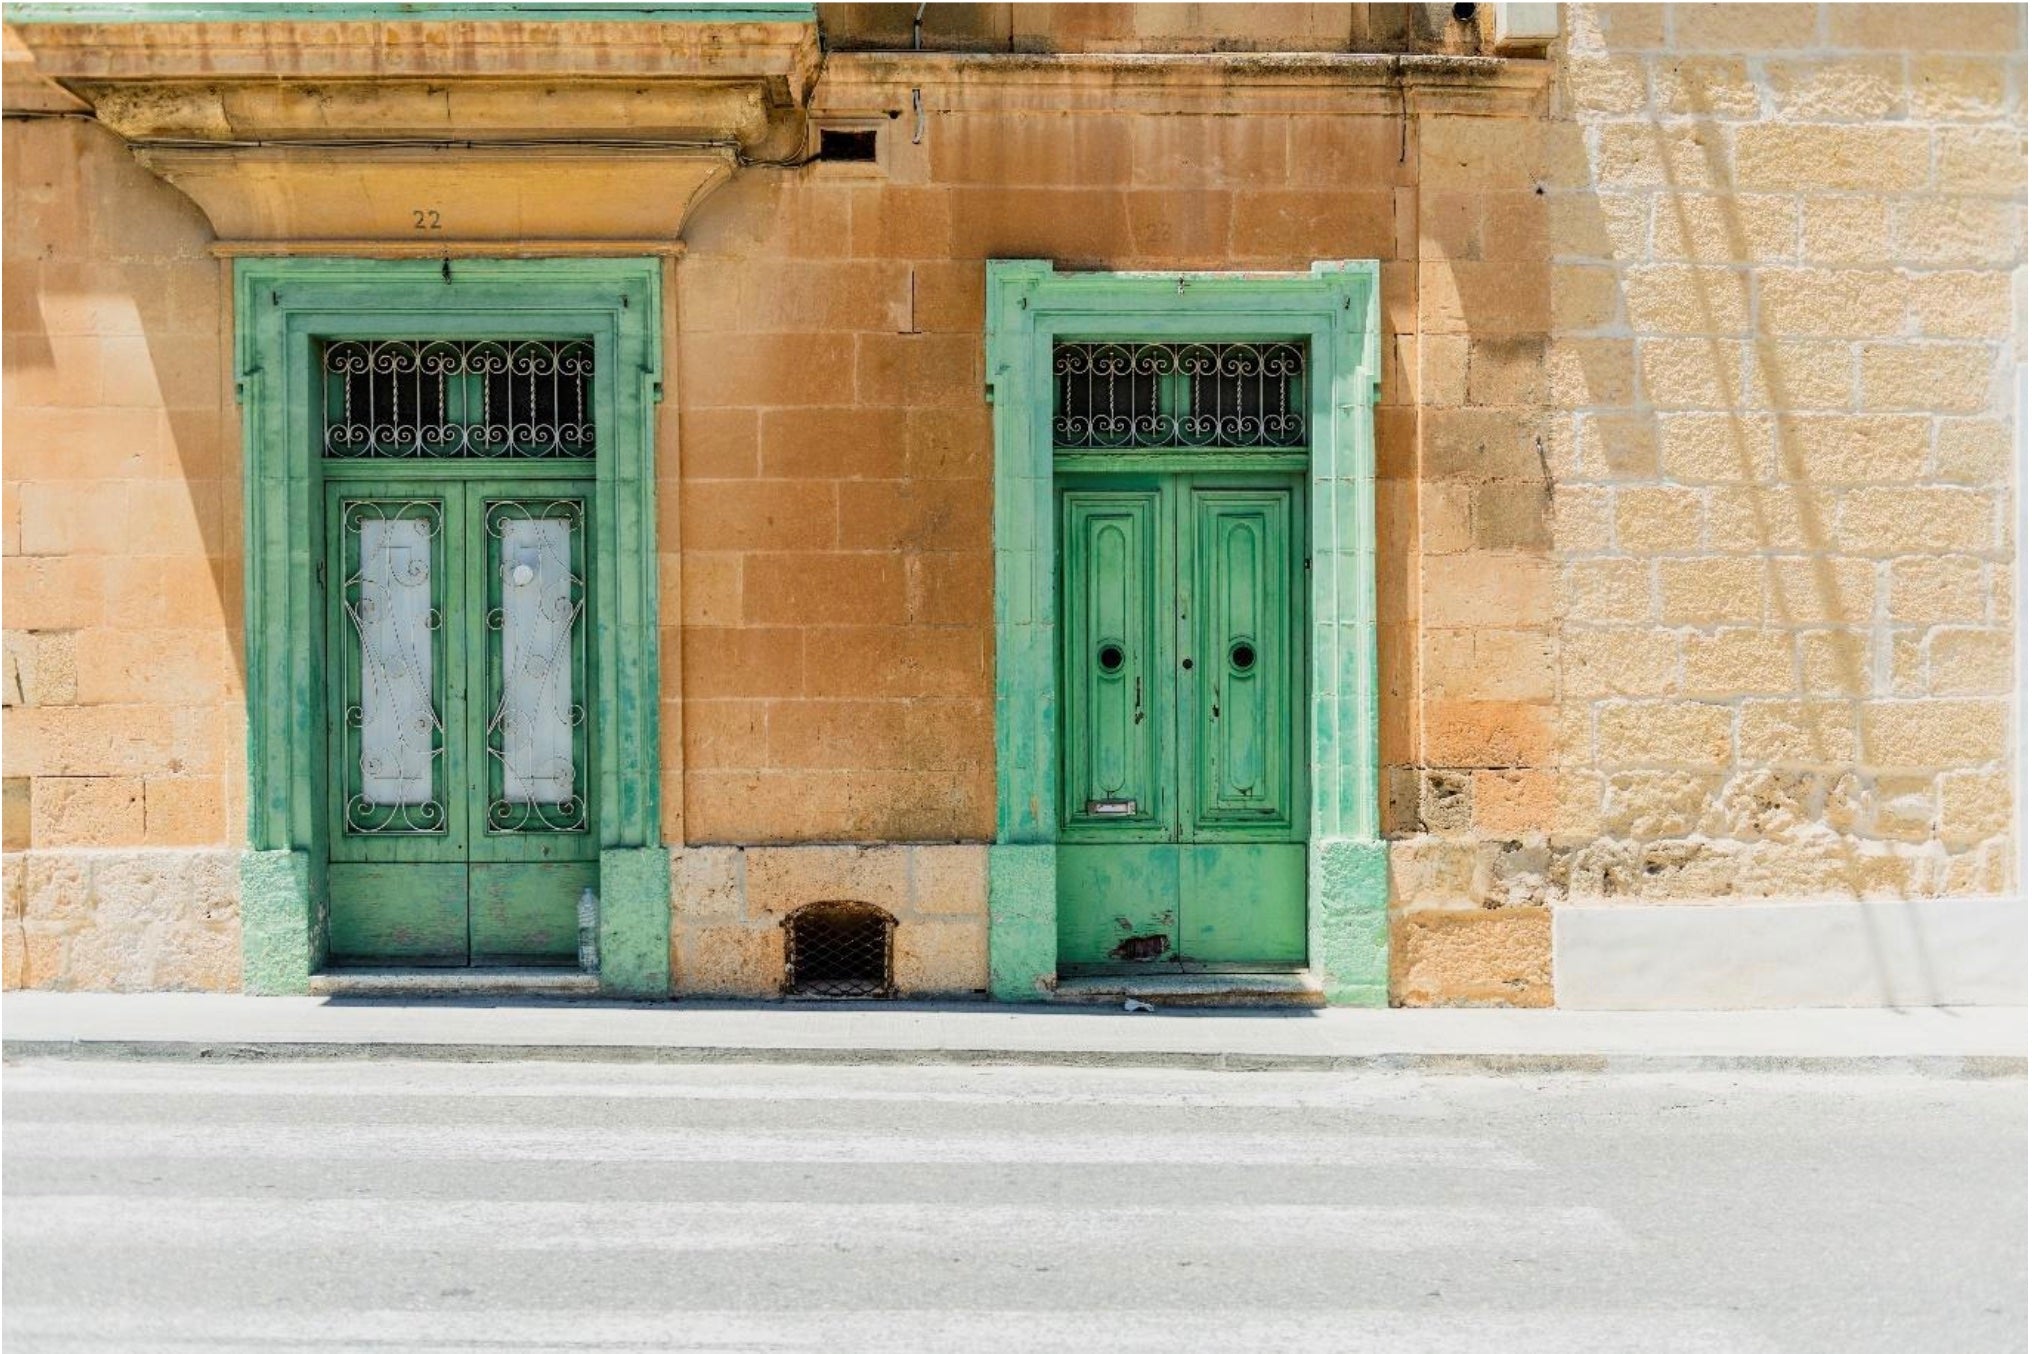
(285, 914)
(1335, 306)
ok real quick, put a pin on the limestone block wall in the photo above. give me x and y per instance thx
(729, 903)
(833, 477)
(122, 686)
(828, 509)
(1695, 481)
(1761, 638)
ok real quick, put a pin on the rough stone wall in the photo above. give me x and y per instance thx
(122, 604)
(730, 903)
(1762, 643)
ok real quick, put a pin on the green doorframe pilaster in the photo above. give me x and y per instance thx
(280, 306)
(1337, 307)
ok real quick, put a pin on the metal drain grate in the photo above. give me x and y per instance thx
(838, 949)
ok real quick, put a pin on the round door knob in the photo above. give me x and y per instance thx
(1188, 665)
(522, 574)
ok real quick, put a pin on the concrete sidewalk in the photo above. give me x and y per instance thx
(1951, 1041)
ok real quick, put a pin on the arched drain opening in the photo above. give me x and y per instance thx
(839, 949)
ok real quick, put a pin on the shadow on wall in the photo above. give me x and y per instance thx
(1777, 471)
(124, 661)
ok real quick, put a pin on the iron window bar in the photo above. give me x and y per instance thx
(458, 398)
(1159, 395)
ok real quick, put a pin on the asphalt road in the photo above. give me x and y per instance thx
(522, 1207)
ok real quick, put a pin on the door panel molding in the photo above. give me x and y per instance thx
(1336, 308)
(281, 307)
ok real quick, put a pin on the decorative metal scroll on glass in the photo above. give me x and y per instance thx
(392, 723)
(536, 735)
(457, 398)
(1159, 395)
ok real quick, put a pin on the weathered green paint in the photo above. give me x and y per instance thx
(1023, 910)
(1336, 308)
(398, 912)
(1181, 686)
(519, 912)
(1348, 883)
(1118, 904)
(1117, 673)
(281, 306)
(635, 922)
(280, 924)
(467, 680)
(195, 11)
(1241, 583)
(1243, 903)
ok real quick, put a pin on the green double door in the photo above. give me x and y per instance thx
(1181, 673)
(459, 711)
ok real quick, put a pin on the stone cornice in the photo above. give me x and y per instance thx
(1300, 82)
(566, 132)
(374, 50)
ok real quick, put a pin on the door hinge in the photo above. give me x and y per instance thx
(320, 571)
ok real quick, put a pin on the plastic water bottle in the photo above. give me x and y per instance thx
(589, 931)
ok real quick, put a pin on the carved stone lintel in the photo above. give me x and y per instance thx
(572, 133)
(415, 196)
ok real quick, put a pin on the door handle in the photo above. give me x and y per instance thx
(1188, 665)
(1139, 701)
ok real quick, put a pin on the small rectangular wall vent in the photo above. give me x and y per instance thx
(839, 949)
(846, 144)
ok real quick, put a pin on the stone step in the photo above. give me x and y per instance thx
(454, 982)
(1295, 987)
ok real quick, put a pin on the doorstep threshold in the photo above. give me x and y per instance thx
(454, 982)
(1298, 987)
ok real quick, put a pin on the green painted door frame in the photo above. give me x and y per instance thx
(281, 308)
(1336, 307)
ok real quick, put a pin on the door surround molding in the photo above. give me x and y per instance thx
(1337, 306)
(280, 305)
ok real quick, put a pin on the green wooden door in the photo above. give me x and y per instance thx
(458, 716)
(1180, 676)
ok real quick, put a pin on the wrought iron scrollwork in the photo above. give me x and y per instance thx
(536, 737)
(458, 398)
(393, 729)
(1161, 395)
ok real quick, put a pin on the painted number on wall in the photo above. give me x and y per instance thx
(426, 218)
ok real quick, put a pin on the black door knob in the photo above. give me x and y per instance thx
(1188, 665)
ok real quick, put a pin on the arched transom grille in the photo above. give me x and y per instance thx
(1159, 395)
(457, 398)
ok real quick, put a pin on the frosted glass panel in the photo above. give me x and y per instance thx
(391, 612)
(538, 611)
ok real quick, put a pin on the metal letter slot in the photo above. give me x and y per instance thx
(1112, 808)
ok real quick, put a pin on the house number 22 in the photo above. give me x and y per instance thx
(426, 219)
